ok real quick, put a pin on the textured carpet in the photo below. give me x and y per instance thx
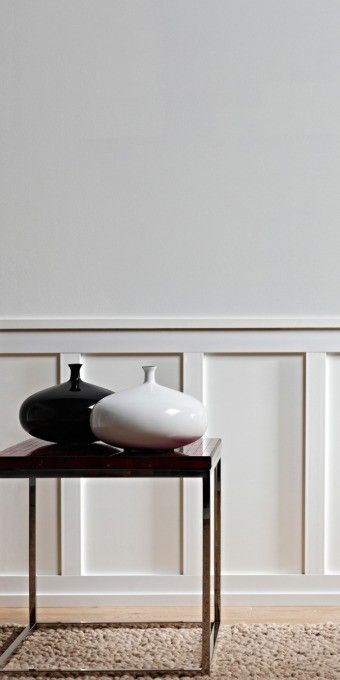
(244, 652)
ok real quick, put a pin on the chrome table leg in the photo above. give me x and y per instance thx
(32, 579)
(32, 569)
(206, 627)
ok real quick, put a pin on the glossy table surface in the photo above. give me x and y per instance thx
(37, 458)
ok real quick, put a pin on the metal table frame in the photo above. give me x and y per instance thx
(209, 629)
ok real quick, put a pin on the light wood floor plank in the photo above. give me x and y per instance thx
(229, 614)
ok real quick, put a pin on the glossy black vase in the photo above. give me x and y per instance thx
(61, 413)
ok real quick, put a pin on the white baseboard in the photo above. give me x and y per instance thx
(166, 600)
(176, 590)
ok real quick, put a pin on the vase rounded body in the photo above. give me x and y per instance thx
(61, 413)
(149, 416)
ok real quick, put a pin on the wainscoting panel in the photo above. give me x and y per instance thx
(132, 526)
(20, 376)
(272, 394)
(332, 496)
(256, 404)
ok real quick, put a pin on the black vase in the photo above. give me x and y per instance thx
(61, 413)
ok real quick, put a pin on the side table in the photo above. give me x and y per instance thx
(34, 459)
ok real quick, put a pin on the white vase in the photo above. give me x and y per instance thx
(149, 416)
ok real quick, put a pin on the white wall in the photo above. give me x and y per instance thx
(273, 397)
(255, 403)
(181, 159)
(169, 158)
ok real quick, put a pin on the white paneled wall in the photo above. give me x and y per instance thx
(255, 403)
(20, 375)
(333, 465)
(124, 520)
(273, 397)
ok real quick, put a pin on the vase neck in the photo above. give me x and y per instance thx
(149, 374)
(75, 377)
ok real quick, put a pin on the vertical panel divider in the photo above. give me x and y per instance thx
(315, 387)
(191, 559)
(71, 534)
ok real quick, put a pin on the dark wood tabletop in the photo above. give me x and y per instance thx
(36, 458)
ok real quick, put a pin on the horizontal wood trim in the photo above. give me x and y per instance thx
(266, 341)
(168, 323)
(159, 584)
(63, 591)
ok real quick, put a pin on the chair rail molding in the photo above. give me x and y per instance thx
(271, 386)
(102, 323)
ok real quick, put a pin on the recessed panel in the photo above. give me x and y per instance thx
(332, 468)
(20, 376)
(255, 403)
(132, 526)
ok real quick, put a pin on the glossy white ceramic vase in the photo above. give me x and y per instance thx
(149, 416)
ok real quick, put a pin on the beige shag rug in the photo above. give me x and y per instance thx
(243, 652)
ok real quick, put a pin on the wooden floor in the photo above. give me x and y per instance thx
(229, 614)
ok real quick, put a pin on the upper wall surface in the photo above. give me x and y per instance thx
(169, 158)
